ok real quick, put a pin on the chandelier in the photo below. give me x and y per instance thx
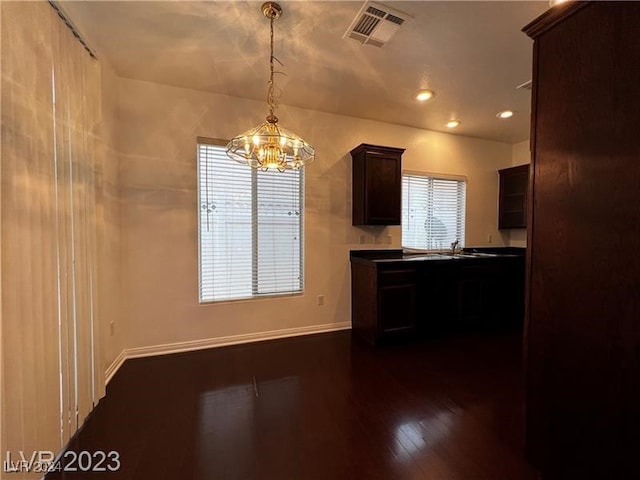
(269, 146)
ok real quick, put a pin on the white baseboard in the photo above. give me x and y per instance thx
(115, 366)
(194, 345)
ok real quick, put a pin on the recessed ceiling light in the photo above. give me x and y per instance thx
(424, 95)
(453, 123)
(505, 114)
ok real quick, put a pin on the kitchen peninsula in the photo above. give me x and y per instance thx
(399, 295)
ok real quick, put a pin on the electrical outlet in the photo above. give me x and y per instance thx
(489, 238)
(363, 239)
(320, 300)
(112, 328)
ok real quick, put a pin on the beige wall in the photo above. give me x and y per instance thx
(157, 130)
(109, 245)
(520, 153)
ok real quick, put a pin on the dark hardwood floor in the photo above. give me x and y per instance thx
(317, 407)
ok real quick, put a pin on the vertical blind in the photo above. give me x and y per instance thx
(51, 102)
(250, 228)
(433, 211)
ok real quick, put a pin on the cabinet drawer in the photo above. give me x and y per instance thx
(398, 276)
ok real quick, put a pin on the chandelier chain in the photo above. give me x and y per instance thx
(270, 100)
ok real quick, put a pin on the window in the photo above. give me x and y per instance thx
(432, 211)
(250, 225)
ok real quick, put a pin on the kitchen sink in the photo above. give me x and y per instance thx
(447, 256)
(427, 256)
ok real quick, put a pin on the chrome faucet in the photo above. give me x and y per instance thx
(454, 245)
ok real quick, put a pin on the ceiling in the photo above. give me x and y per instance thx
(472, 54)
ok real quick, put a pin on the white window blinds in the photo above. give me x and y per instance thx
(432, 212)
(250, 228)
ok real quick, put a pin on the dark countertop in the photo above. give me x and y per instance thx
(467, 254)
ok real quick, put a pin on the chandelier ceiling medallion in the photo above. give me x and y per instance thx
(269, 146)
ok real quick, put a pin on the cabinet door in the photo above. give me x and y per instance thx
(479, 295)
(376, 185)
(382, 189)
(471, 303)
(397, 301)
(397, 309)
(438, 296)
(504, 295)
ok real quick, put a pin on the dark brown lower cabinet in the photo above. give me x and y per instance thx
(491, 295)
(411, 299)
(384, 299)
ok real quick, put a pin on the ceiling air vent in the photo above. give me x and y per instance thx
(526, 85)
(375, 24)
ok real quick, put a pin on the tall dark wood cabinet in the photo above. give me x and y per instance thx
(583, 321)
(376, 185)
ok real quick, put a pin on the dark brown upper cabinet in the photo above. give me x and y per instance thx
(376, 185)
(512, 205)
